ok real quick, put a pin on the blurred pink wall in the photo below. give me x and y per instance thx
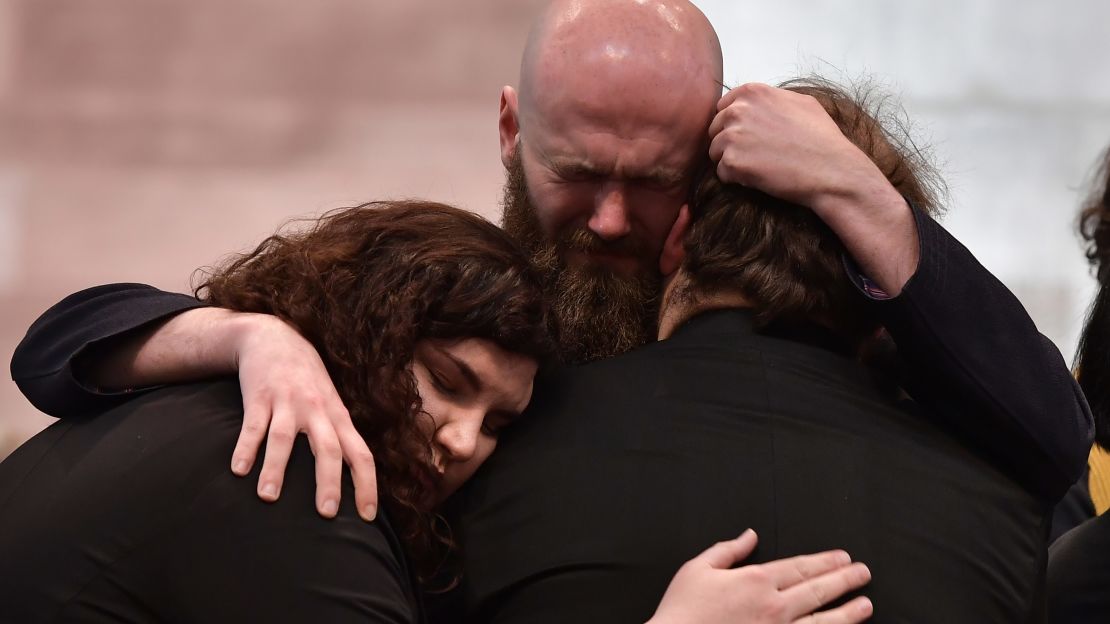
(140, 140)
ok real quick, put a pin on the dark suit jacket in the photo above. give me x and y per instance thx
(134, 516)
(626, 468)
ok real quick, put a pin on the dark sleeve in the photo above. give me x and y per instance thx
(974, 358)
(43, 363)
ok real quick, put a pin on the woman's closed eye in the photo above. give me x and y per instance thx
(443, 383)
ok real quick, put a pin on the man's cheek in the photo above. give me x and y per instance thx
(563, 206)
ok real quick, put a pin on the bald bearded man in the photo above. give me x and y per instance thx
(594, 185)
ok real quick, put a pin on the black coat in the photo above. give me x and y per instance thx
(135, 516)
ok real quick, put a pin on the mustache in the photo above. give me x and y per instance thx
(581, 239)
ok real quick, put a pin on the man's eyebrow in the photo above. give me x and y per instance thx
(467, 372)
(662, 176)
(567, 168)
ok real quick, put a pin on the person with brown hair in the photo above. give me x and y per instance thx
(755, 410)
(132, 516)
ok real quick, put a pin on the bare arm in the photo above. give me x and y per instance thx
(192, 345)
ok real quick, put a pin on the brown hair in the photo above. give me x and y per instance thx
(363, 285)
(1092, 360)
(780, 256)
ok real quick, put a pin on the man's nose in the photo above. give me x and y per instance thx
(610, 218)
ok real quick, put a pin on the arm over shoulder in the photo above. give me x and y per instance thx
(43, 363)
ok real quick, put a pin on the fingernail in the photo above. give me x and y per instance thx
(269, 491)
(747, 533)
(370, 512)
(843, 558)
(240, 467)
(865, 606)
(864, 572)
(329, 507)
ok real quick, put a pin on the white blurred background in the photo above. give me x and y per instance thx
(142, 139)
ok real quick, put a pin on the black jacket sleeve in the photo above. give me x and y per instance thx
(971, 354)
(43, 363)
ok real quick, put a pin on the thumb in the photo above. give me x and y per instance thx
(724, 555)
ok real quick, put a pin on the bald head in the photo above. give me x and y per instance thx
(638, 48)
(610, 121)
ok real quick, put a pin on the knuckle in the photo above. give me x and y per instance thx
(362, 457)
(312, 401)
(282, 436)
(254, 427)
(819, 592)
(330, 450)
(758, 575)
(774, 609)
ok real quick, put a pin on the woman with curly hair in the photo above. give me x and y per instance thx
(133, 515)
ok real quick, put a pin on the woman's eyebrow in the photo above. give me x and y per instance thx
(468, 373)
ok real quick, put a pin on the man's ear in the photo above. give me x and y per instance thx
(508, 125)
(673, 251)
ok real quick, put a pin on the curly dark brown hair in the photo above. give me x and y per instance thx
(1094, 220)
(1092, 359)
(363, 285)
(780, 256)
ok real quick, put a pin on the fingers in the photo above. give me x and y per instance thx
(324, 443)
(256, 419)
(279, 444)
(785, 573)
(809, 595)
(363, 471)
(745, 89)
(717, 147)
(851, 612)
(724, 555)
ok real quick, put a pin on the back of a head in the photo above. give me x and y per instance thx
(780, 256)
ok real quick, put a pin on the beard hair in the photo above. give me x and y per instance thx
(600, 313)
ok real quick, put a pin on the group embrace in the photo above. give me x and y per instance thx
(732, 368)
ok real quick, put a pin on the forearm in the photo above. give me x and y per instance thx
(45, 361)
(877, 228)
(195, 344)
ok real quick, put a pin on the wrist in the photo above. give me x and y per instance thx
(241, 332)
(866, 198)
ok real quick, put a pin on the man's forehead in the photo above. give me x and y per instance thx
(636, 145)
